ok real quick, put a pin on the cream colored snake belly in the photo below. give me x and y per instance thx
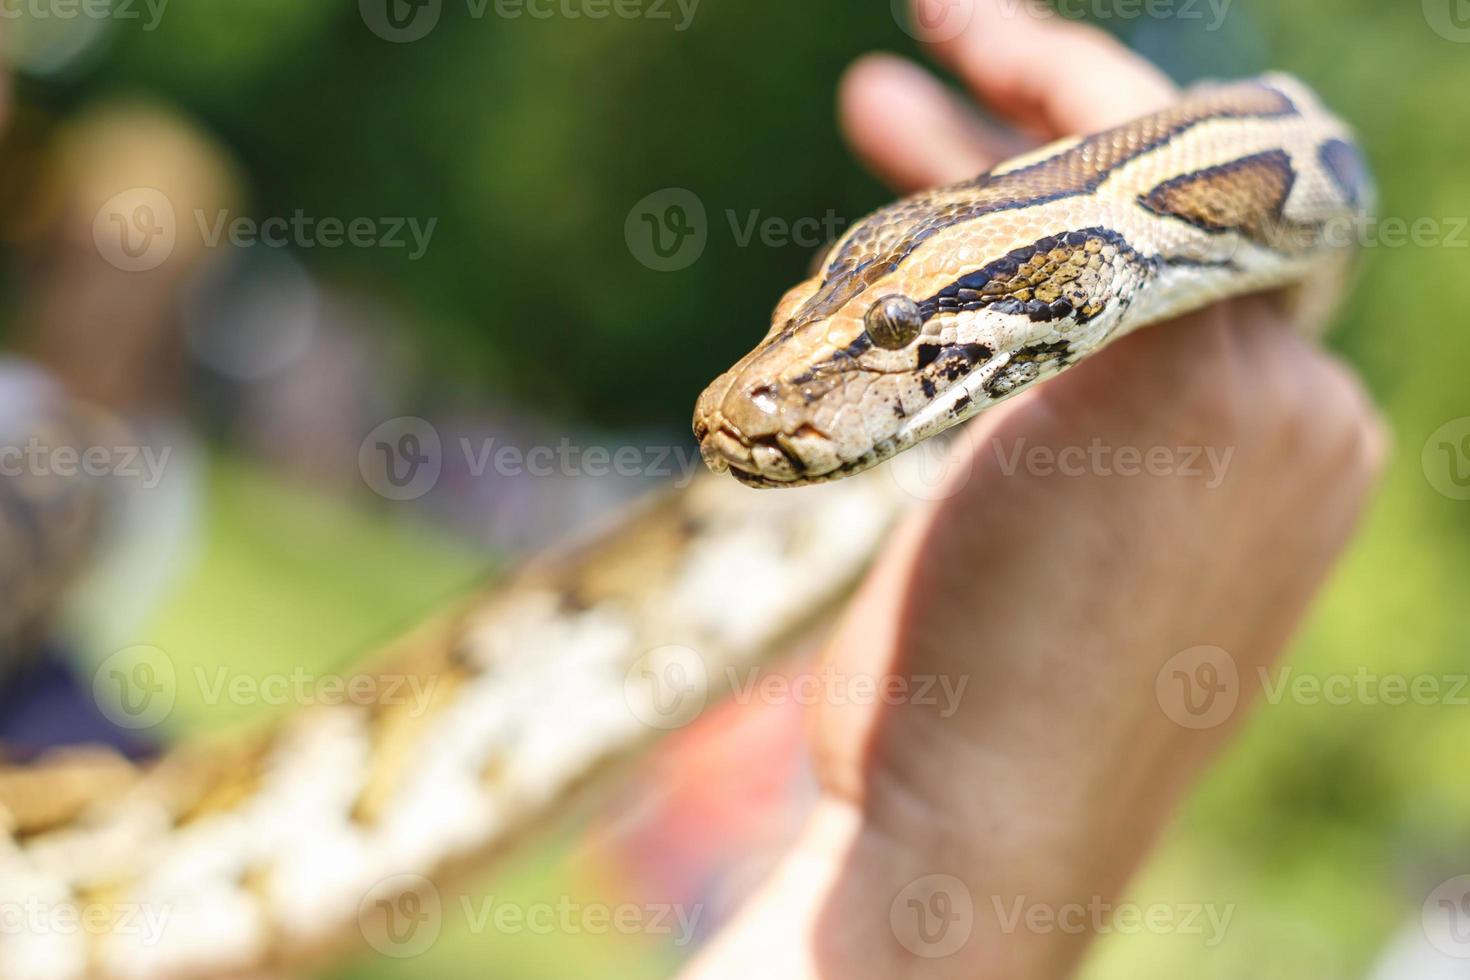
(271, 847)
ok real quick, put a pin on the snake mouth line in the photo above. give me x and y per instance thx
(726, 449)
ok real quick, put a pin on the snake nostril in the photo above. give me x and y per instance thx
(764, 398)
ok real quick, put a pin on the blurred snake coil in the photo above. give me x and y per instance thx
(280, 847)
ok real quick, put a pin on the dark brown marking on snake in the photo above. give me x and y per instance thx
(1349, 170)
(1025, 367)
(947, 356)
(880, 243)
(1053, 278)
(944, 365)
(927, 354)
(1247, 196)
(1056, 350)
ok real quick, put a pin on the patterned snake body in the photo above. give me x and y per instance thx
(941, 305)
(262, 850)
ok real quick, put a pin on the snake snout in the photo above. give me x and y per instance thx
(733, 418)
(752, 427)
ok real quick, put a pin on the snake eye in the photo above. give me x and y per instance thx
(893, 322)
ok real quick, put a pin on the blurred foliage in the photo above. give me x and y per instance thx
(530, 140)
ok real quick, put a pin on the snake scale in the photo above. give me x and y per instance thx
(268, 848)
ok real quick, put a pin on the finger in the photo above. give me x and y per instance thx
(911, 130)
(1049, 74)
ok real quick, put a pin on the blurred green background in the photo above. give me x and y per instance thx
(530, 140)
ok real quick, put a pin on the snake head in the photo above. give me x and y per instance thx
(859, 366)
(944, 303)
